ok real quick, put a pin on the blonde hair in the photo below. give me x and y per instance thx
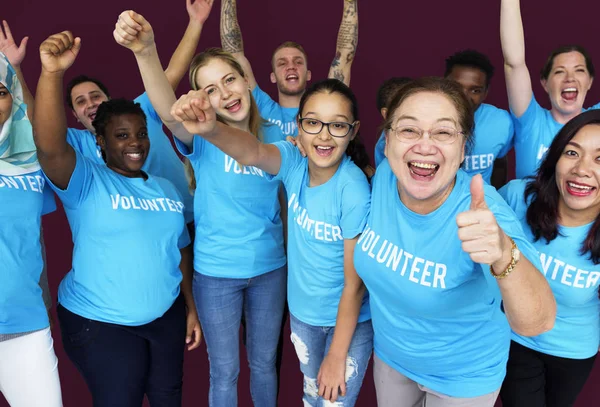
(202, 59)
(189, 175)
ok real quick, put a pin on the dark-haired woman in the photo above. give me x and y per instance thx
(122, 305)
(559, 211)
(440, 251)
(328, 200)
(567, 77)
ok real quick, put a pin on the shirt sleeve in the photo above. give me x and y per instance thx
(290, 160)
(509, 222)
(147, 107)
(527, 121)
(510, 134)
(48, 204)
(184, 238)
(197, 148)
(263, 101)
(79, 184)
(380, 150)
(356, 202)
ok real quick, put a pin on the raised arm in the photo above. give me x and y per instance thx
(198, 11)
(55, 155)
(134, 32)
(15, 56)
(198, 117)
(518, 80)
(347, 42)
(231, 38)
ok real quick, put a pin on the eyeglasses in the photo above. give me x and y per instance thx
(411, 134)
(336, 129)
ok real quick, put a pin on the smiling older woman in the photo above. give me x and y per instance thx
(439, 254)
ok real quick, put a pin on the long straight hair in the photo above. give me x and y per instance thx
(543, 213)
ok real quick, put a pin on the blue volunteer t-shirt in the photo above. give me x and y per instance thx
(282, 120)
(319, 219)
(162, 159)
(535, 131)
(436, 314)
(239, 232)
(127, 233)
(574, 280)
(25, 198)
(380, 149)
(494, 134)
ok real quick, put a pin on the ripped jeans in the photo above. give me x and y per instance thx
(312, 344)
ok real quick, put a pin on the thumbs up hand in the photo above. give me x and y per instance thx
(479, 232)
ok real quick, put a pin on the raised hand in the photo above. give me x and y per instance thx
(195, 113)
(478, 230)
(59, 51)
(134, 32)
(199, 10)
(9, 48)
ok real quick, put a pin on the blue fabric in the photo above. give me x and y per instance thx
(380, 149)
(162, 160)
(239, 232)
(574, 280)
(319, 220)
(25, 198)
(127, 234)
(494, 136)
(282, 120)
(17, 150)
(534, 132)
(312, 343)
(220, 303)
(436, 314)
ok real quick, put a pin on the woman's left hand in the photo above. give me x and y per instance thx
(478, 230)
(332, 377)
(193, 336)
(8, 47)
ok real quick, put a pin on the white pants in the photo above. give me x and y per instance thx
(29, 371)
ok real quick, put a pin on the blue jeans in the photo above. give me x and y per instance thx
(220, 303)
(312, 344)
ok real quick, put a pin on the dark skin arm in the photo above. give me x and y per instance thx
(500, 173)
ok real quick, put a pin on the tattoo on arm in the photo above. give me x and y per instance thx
(347, 40)
(231, 35)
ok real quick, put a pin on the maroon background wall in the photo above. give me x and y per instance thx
(397, 38)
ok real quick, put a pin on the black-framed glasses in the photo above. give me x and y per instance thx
(336, 129)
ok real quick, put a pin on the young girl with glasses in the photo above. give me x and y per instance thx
(328, 200)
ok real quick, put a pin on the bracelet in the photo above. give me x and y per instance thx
(514, 258)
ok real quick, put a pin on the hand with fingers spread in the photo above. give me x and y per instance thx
(479, 232)
(195, 113)
(9, 48)
(134, 32)
(59, 51)
(199, 10)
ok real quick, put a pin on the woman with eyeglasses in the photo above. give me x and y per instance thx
(440, 252)
(239, 258)
(328, 201)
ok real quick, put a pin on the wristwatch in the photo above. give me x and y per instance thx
(515, 256)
